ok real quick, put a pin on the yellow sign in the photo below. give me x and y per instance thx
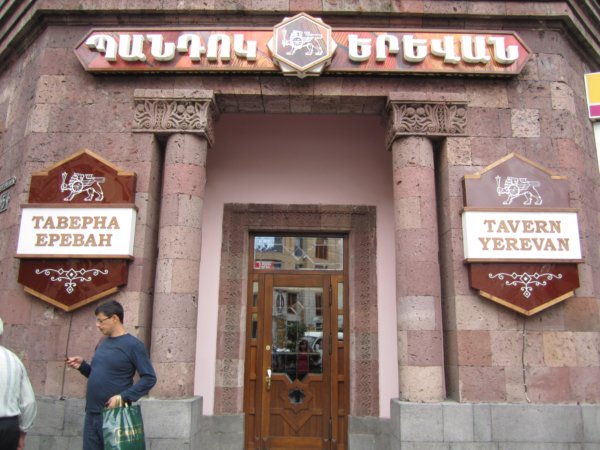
(592, 90)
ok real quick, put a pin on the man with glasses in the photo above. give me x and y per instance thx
(110, 375)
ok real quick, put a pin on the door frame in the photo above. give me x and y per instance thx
(239, 220)
(258, 356)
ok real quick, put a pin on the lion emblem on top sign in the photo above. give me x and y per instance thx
(83, 182)
(515, 187)
(302, 39)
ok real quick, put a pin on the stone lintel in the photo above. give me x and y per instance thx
(169, 111)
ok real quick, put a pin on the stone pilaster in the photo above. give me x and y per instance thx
(418, 288)
(186, 118)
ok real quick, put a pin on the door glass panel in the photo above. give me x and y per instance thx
(298, 253)
(297, 331)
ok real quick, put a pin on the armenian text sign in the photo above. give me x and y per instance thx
(298, 40)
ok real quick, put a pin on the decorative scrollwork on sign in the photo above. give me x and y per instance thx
(529, 281)
(426, 119)
(71, 276)
(175, 115)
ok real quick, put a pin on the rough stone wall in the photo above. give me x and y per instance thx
(50, 108)
(542, 115)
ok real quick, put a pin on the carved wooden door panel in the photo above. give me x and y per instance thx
(296, 385)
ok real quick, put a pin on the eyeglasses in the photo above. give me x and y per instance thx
(99, 321)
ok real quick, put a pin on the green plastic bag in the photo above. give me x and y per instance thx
(123, 428)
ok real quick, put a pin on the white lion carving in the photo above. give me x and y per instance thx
(82, 182)
(299, 40)
(518, 187)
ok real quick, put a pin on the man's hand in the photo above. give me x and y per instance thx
(114, 402)
(21, 444)
(74, 362)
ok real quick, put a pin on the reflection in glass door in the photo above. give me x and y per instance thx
(296, 404)
(297, 331)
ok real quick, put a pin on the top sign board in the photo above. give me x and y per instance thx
(302, 38)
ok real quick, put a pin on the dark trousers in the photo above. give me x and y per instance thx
(92, 432)
(9, 433)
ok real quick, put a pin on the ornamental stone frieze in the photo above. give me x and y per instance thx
(425, 118)
(175, 111)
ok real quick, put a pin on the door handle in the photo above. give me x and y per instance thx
(268, 379)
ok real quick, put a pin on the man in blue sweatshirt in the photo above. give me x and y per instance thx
(110, 375)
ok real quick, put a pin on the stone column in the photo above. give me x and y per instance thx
(186, 119)
(418, 291)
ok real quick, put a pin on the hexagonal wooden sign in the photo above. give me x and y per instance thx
(302, 45)
(77, 231)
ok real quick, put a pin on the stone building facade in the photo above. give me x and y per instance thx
(428, 362)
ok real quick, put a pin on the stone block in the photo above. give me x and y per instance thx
(424, 278)
(185, 178)
(173, 344)
(74, 416)
(425, 348)
(484, 122)
(458, 422)
(487, 94)
(458, 150)
(359, 441)
(50, 89)
(175, 310)
(506, 347)
(170, 444)
(482, 423)
(559, 349)
(475, 313)
(482, 384)
(421, 384)
(562, 96)
(175, 380)
(171, 419)
(39, 119)
(421, 423)
(180, 243)
(50, 417)
(581, 314)
(525, 123)
(591, 423)
(537, 423)
(474, 348)
(416, 313)
(515, 384)
(548, 384)
(416, 245)
(585, 384)
(408, 213)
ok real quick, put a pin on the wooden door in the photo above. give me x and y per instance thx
(295, 382)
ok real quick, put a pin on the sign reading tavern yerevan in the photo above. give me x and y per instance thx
(302, 46)
(77, 231)
(521, 239)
